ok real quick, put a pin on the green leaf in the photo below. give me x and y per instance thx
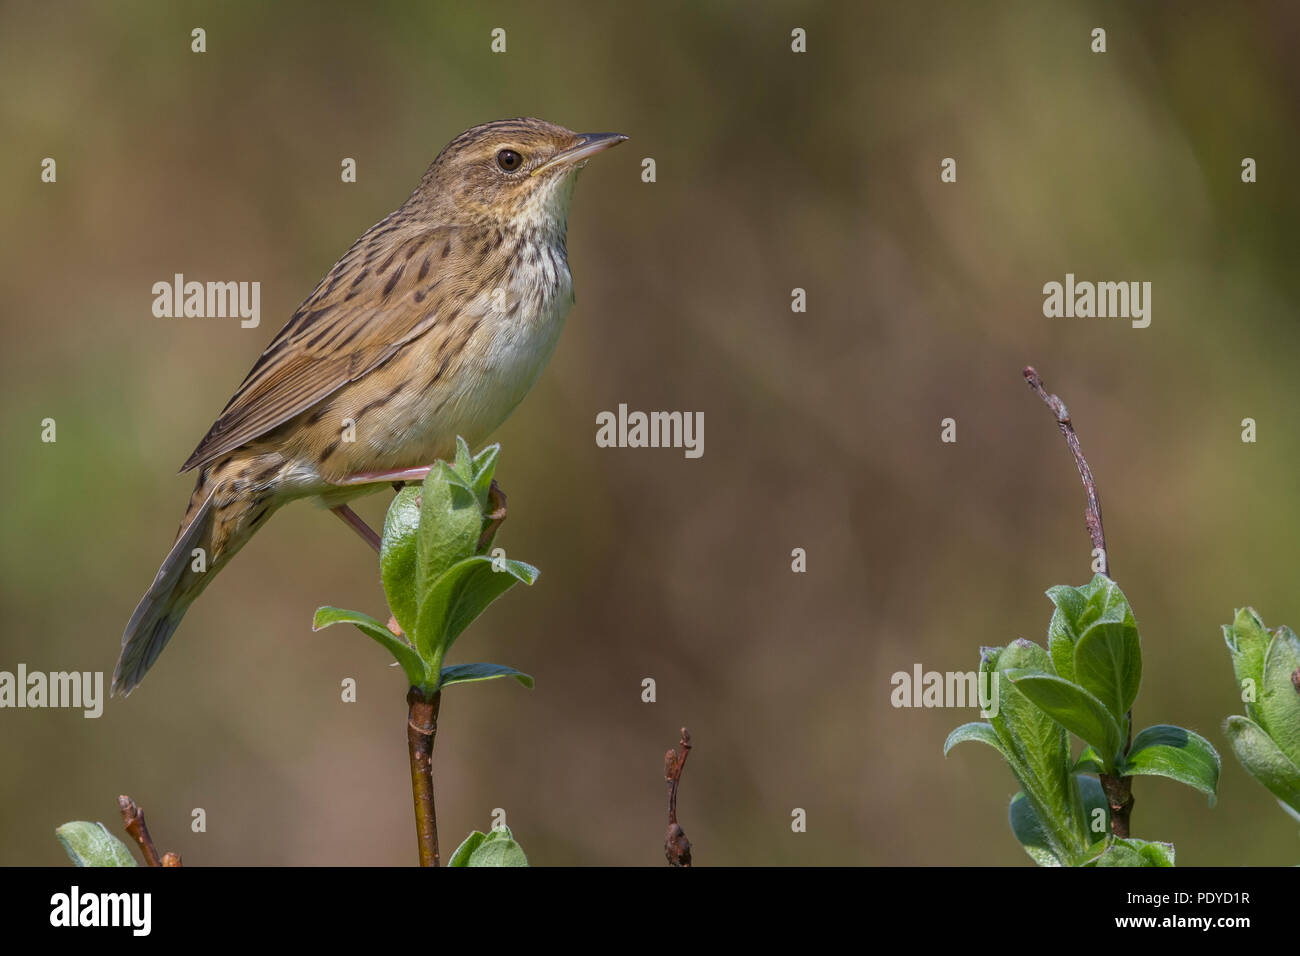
(1107, 625)
(1105, 604)
(1165, 751)
(465, 673)
(467, 847)
(1028, 829)
(398, 555)
(485, 466)
(1290, 811)
(1100, 601)
(416, 673)
(1155, 853)
(1061, 634)
(1279, 700)
(1037, 748)
(1108, 663)
(1131, 852)
(976, 730)
(1075, 709)
(1089, 761)
(450, 525)
(90, 844)
(464, 461)
(1248, 641)
(1264, 760)
(1119, 853)
(486, 460)
(449, 474)
(460, 595)
(1096, 810)
(497, 848)
(1034, 839)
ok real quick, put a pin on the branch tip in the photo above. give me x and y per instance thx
(1118, 790)
(1092, 514)
(133, 820)
(676, 847)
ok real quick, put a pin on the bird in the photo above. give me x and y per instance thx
(434, 324)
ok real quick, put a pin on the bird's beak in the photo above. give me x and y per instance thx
(589, 144)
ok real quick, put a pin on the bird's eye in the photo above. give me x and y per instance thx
(509, 160)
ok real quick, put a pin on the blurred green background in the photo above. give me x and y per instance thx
(775, 171)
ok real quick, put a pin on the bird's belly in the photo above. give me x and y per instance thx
(482, 384)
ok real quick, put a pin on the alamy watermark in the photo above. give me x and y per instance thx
(1102, 300)
(74, 908)
(208, 300)
(635, 429)
(79, 690)
(922, 688)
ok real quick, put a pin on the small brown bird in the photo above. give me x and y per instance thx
(434, 324)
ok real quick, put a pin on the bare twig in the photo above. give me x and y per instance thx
(1093, 514)
(133, 818)
(676, 847)
(171, 859)
(1118, 790)
(421, 726)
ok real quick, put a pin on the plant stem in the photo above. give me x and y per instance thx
(1093, 513)
(676, 847)
(1118, 790)
(1119, 795)
(421, 726)
(133, 819)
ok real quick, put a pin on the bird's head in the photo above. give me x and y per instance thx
(518, 171)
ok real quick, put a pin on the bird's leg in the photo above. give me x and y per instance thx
(354, 520)
(495, 517)
(358, 524)
(496, 501)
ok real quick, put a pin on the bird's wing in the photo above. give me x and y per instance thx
(375, 300)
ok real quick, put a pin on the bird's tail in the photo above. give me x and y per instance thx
(222, 516)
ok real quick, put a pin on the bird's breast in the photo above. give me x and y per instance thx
(491, 355)
(519, 331)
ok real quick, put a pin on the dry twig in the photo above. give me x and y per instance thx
(1093, 513)
(676, 847)
(133, 819)
(1118, 790)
